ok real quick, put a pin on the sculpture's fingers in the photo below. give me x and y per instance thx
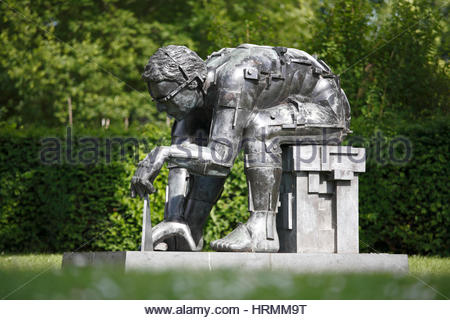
(140, 188)
(140, 171)
(149, 188)
(147, 183)
(134, 186)
(132, 191)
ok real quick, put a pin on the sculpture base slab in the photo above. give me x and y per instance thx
(292, 262)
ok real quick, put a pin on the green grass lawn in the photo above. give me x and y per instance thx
(40, 277)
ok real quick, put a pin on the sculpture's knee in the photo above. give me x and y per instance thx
(203, 195)
(206, 188)
(263, 171)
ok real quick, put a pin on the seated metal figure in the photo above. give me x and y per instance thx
(255, 98)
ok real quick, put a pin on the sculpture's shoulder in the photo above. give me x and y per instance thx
(248, 61)
(218, 57)
(230, 68)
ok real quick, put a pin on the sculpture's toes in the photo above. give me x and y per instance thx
(239, 240)
(213, 244)
(240, 247)
(217, 245)
(162, 246)
(220, 245)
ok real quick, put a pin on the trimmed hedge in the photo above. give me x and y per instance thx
(404, 208)
(86, 206)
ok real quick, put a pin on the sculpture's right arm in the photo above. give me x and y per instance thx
(217, 158)
(232, 108)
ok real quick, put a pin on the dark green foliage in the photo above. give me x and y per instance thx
(54, 208)
(405, 207)
(391, 55)
(89, 51)
(62, 207)
(386, 55)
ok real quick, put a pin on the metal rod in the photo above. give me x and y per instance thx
(147, 242)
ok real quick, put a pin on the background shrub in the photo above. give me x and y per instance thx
(63, 207)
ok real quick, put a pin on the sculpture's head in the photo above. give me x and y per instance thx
(175, 77)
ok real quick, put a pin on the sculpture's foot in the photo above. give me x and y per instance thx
(251, 236)
(168, 229)
(238, 240)
(177, 244)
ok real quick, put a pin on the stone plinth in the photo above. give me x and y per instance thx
(211, 261)
(319, 199)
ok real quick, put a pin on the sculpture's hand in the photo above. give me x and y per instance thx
(147, 171)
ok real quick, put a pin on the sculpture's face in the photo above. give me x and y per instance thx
(180, 104)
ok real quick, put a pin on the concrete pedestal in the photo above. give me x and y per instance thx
(211, 261)
(318, 210)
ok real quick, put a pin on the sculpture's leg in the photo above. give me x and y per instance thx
(259, 233)
(177, 186)
(204, 193)
(180, 182)
(192, 209)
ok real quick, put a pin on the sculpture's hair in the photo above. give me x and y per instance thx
(161, 67)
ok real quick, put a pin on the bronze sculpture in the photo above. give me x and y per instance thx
(255, 98)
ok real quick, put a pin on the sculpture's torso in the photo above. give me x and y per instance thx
(270, 91)
(262, 77)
